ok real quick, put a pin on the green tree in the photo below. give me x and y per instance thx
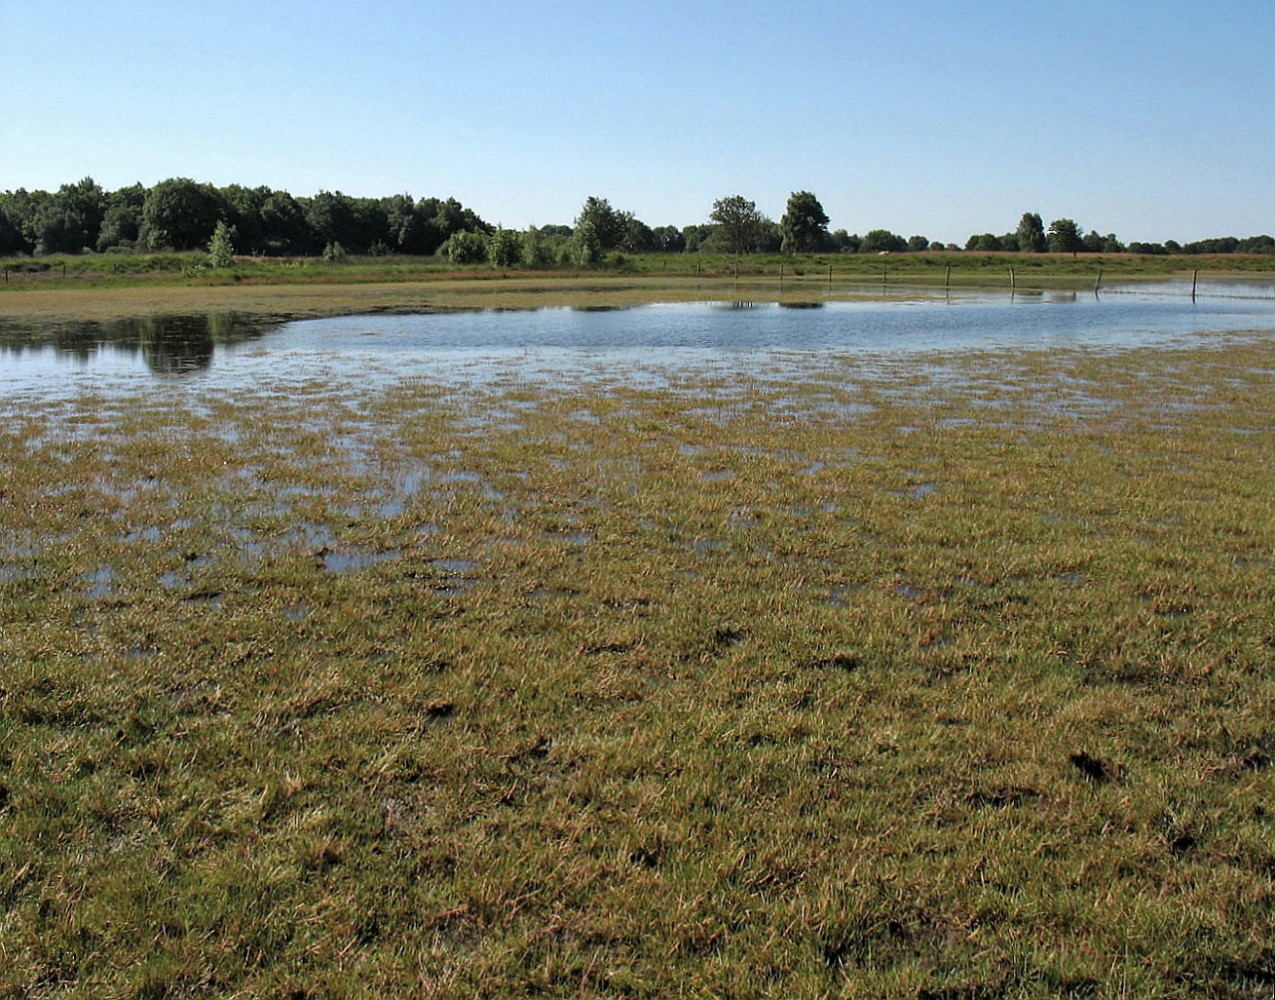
(122, 220)
(11, 240)
(243, 213)
(330, 216)
(15, 209)
(537, 250)
(609, 226)
(694, 237)
(741, 228)
(179, 214)
(638, 237)
(882, 241)
(221, 248)
(983, 242)
(504, 247)
(804, 226)
(586, 245)
(401, 222)
(918, 244)
(668, 239)
(1064, 236)
(451, 216)
(1031, 234)
(68, 220)
(466, 247)
(284, 229)
(844, 242)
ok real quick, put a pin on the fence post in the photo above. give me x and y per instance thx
(947, 278)
(1194, 277)
(1097, 283)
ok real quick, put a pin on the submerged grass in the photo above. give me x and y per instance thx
(950, 680)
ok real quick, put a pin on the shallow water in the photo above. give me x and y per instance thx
(651, 344)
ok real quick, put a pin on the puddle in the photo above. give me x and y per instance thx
(354, 560)
(101, 583)
(577, 538)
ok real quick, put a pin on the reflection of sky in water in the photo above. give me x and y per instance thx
(650, 345)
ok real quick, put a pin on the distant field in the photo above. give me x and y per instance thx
(110, 286)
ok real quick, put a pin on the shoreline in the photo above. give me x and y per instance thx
(279, 303)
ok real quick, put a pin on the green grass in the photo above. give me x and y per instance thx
(126, 270)
(864, 685)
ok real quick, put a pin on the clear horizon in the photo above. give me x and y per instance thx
(1152, 122)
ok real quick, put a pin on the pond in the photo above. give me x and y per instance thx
(642, 344)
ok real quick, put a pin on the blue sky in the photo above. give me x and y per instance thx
(1150, 120)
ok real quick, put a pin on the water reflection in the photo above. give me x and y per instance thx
(168, 345)
(648, 344)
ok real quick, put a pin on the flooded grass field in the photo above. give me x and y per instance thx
(388, 657)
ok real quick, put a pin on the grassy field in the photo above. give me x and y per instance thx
(947, 679)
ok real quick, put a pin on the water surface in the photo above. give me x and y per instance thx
(644, 344)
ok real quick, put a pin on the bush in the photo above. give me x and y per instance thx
(504, 248)
(466, 247)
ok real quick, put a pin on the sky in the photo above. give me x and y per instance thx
(1150, 120)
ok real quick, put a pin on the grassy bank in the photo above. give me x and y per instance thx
(881, 683)
(98, 287)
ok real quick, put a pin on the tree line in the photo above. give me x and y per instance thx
(182, 214)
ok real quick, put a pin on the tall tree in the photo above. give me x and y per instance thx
(68, 220)
(1064, 236)
(804, 225)
(668, 239)
(610, 226)
(11, 240)
(742, 228)
(402, 222)
(122, 220)
(332, 218)
(179, 214)
(504, 247)
(284, 229)
(1031, 234)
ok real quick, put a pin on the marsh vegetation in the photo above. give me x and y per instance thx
(946, 675)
